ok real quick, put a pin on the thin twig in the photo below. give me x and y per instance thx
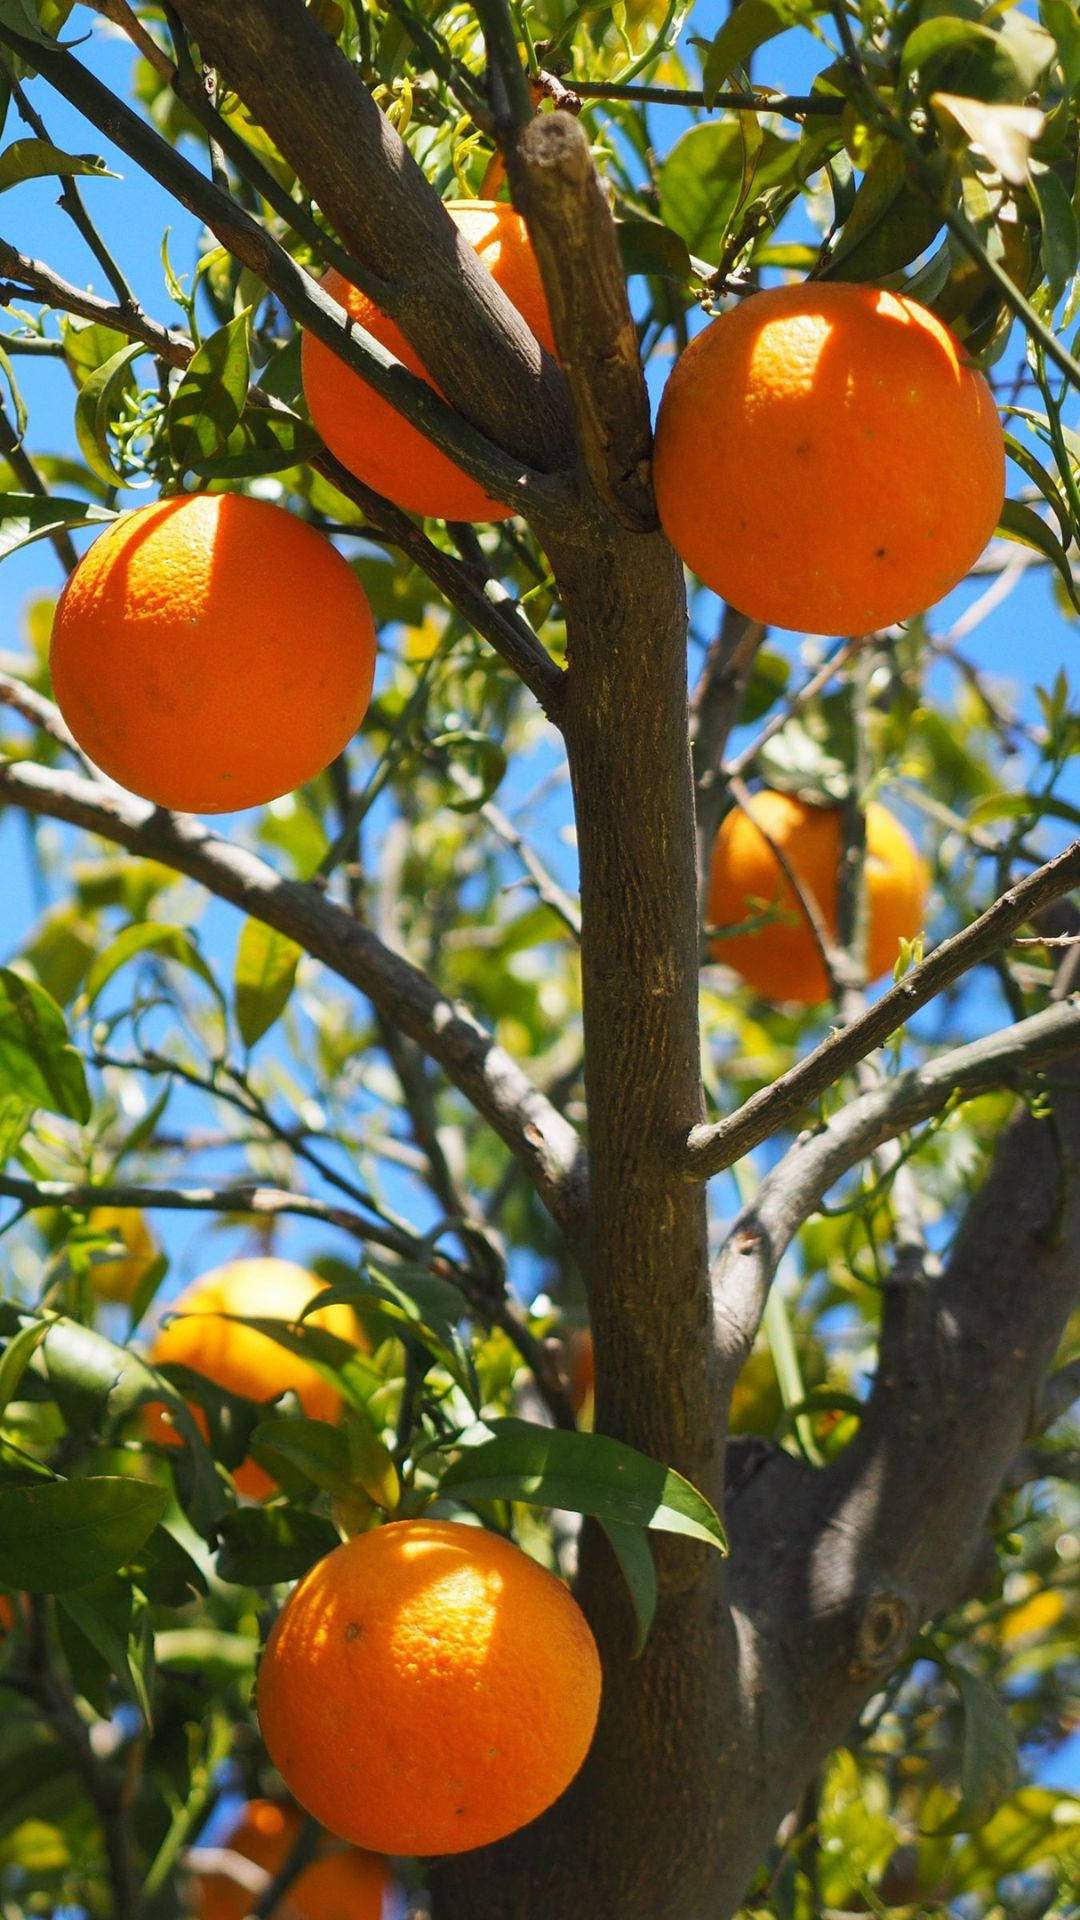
(741, 762)
(708, 1149)
(791, 106)
(795, 1187)
(24, 469)
(74, 206)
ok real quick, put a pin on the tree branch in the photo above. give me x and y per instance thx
(709, 1149)
(304, 92)
(483, 601)
(554, 183)
(535, 1133)
(791, 1192)
(501, 473)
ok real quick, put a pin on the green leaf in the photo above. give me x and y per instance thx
(989, 1768)
(703, 181)
(208, 403)
(319, 1451)
(951, 55)
(584, 1472)
(22, 18)
(30, 159)
(1003, 133)
(1064, 23)
(17, 1357)
(891, 221)
(66, 1533)
(1021, 523)
(15, 1117)
(647, 246)
(17, 401)
(632, 1550)
(265, 973)
(97, 402)
(103, 1614)
(27, 516)
(170, 943)
(262, 1545)
(37, 1060)
(1057, 220)
(263, 442)
(747, 27)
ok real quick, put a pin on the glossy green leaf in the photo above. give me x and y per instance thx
(98, 400)
(649, 247)
(703, 184)
(632, 1550)
(264, 976)
(25, 517)
(102, 1614)
(262, 442)
(263, 1545)
(208, 403)
(1004, 133)
(1063, 21)
(60, 1534)
(1022, 523)
(320, 1452)
(953, 55)
(153, 936)
(206, 1651)
(38, 1064)
(891, 221)
(17, 1356)
(1058, 226)
(30, 159)
(584, 1472)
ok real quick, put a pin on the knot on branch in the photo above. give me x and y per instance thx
(884, 1627)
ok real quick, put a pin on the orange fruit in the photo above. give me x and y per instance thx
(780, 959)
(364, 431)
(427, 1688)
(118, 1279)
(345, 1885)
(211, 652)
(241, 1359)
(7, 1614)
(826, 460)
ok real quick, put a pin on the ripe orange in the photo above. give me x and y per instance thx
(211, 652)
(781, 959)
(427, 1688)
(338, 1886)
(365, 432)
(825, 460)
(117, 1279)
(241, 1359)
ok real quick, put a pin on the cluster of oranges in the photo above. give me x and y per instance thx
(824, 459)
(427, 1687)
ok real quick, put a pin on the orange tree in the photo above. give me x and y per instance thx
(492, 1095)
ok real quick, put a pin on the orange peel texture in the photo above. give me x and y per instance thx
(428, 1688)
(212, 652)
(825, 460)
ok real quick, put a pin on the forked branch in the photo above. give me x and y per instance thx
(546, 1145)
